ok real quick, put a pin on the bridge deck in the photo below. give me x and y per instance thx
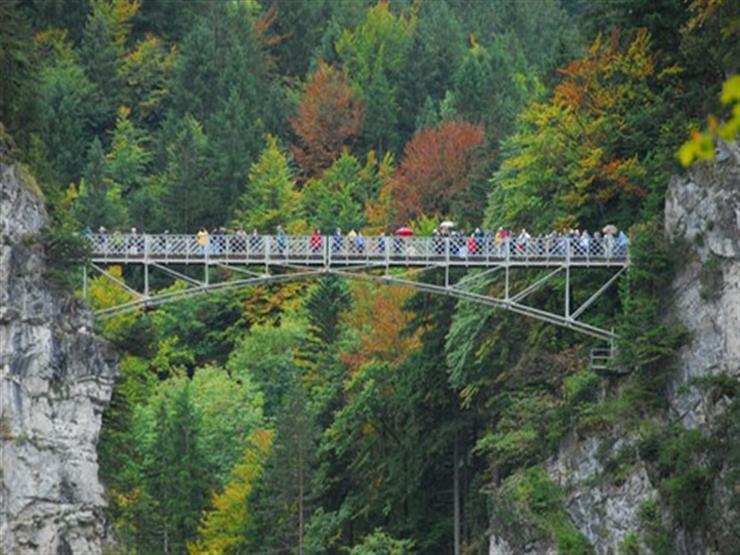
(344, 251)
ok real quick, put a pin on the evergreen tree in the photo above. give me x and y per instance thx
(99, 201)
(148, 72)
(381, 112)
(235, 138)
(65, 96)
(129, 156)
(102, 50)
(324, 305)
(186, 187)
(174, 471)
(437, 48)
(15, 41)
(428, 116)
(270, 199)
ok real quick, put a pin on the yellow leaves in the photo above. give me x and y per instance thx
(701, 144)
(699, 147)
(731, 90)
(221, 531)
(119, 15)
(377, 315)
(104, 293)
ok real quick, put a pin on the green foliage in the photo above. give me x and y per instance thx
(65, 96)
(186, 187)
(270, 199)
(657, 535)
(337, 198)
(98, 201)
(15, 60)
(539, 501)
(174, 479)
(66, 252)
(222, 528)
(380, 543)
(581, 387)
(711, 279)
(373, 54)
(230, 411)
(646, 342)
(566, 159)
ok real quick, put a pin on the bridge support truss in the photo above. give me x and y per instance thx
(255, 260)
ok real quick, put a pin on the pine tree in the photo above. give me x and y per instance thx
(102, 50)
(129, 156)
(186, 189)
(15, 42)
(270, 199)
(99, 201)
(65, 97)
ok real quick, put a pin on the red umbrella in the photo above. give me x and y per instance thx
(404, 232)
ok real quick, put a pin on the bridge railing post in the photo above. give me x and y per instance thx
(267, 246)
(206, 254)
(147, 250)
(568, 242)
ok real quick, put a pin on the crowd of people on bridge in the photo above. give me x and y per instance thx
(445, 241)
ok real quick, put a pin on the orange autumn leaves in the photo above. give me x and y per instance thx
(378, 318)
(437, 165)
(329, 119)
(437, 162)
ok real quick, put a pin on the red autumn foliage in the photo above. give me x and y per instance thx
(437, 165)
(329, 119)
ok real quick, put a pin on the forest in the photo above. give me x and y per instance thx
(346, 417)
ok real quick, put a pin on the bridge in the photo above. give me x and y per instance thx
(261, 259)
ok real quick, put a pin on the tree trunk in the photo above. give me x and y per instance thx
(456, 493)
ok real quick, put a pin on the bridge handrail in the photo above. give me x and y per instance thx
(434, 249)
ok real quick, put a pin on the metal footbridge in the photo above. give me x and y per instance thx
(248, 260)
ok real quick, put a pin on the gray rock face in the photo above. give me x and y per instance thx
(56, 379)
(703, 210)
(702, 215)
(604, 511)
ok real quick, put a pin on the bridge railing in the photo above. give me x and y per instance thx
(245, 248)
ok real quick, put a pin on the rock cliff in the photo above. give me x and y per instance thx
(702, 218)
(56, 379)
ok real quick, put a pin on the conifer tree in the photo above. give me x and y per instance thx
(15, 42)
(186, 187)
(270, 199)
(129, 155)
(65, 97)
(102, 50)
(99, 201)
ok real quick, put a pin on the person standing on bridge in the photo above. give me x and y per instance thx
(202, 237)
(316, 241)
(336, 243)
(351, 245)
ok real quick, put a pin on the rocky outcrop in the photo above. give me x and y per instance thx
(56, 379)
(702, 217)
(703, 213)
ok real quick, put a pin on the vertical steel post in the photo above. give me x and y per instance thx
(567, 278)
(147, 250)
(447, 261)
(267, 255)
(386, 248)
(207, 250)
(507, 267)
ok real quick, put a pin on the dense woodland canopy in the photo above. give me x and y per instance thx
(344, 418)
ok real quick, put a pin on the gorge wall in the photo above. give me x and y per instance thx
(607, 504)
(56, 379)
